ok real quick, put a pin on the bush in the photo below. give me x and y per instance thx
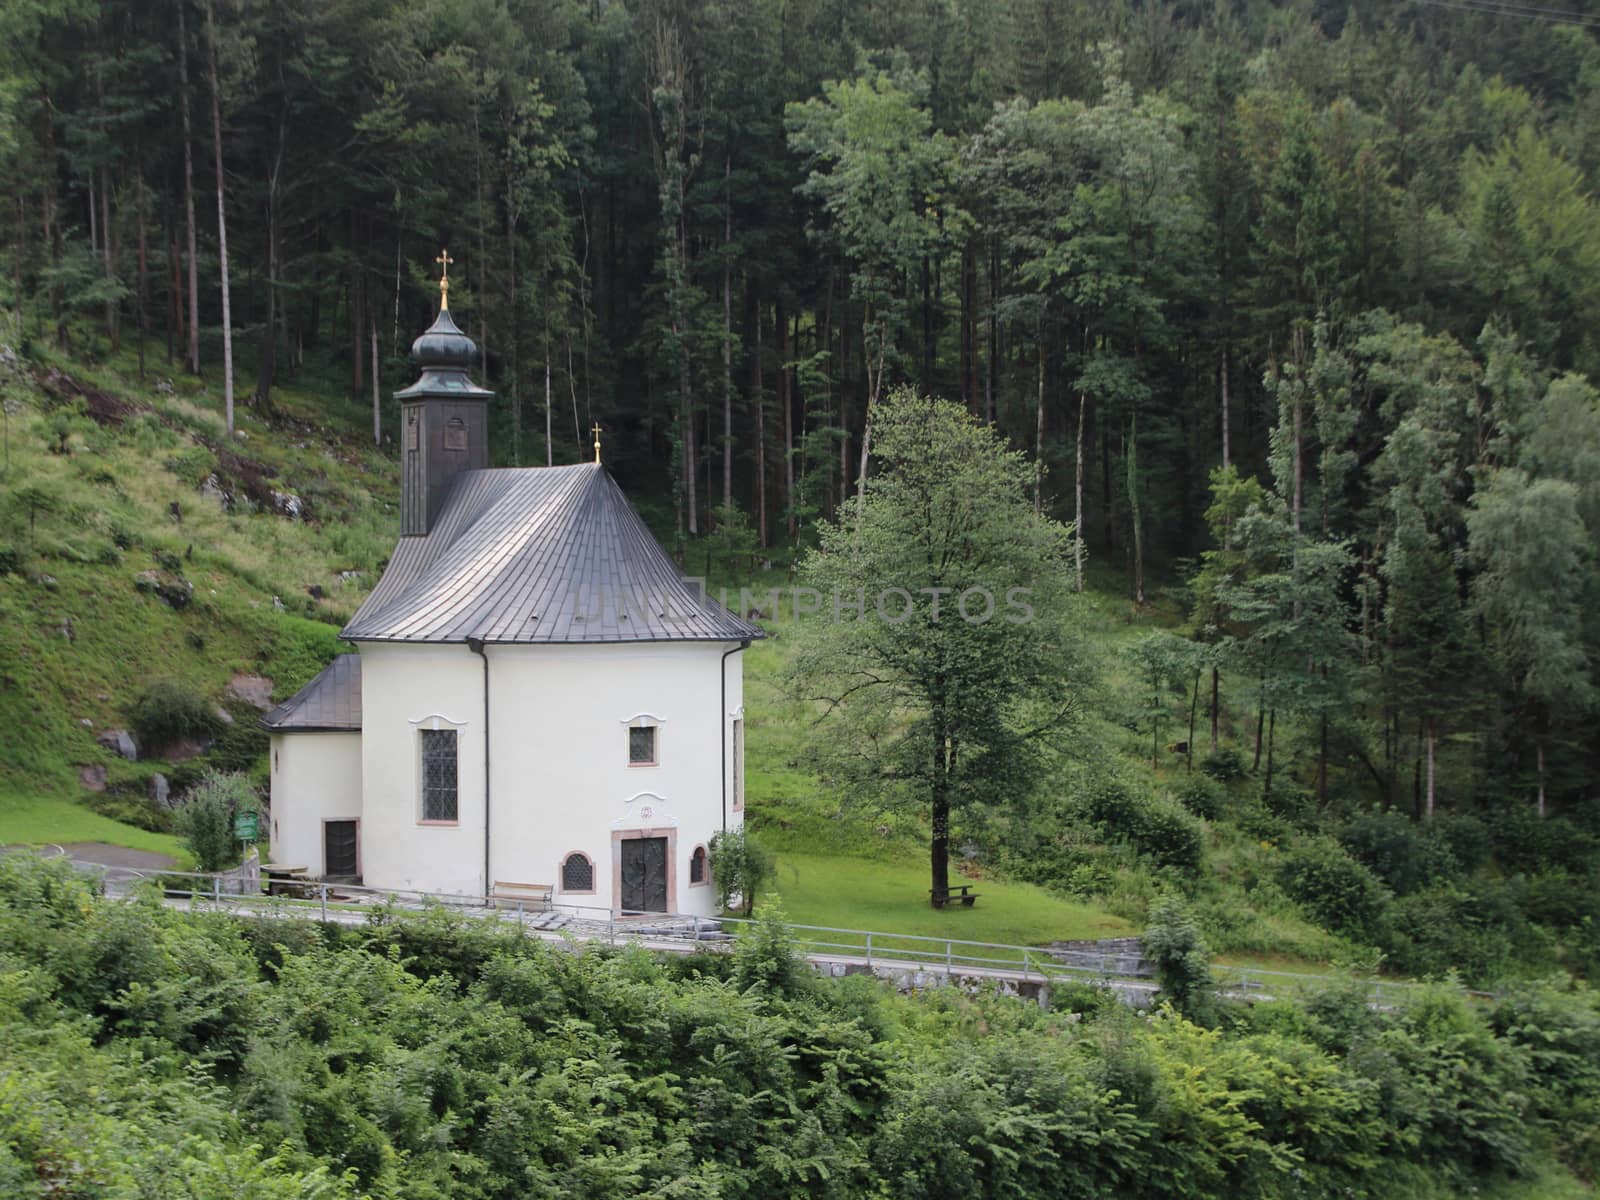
(1391, 845)
(170, 710)
(1223, 765)
(1478, 932)
(1158, 830)
(1172, 942)
(1334, 888)
(206, 819)
(1203, 796)
(739, 866)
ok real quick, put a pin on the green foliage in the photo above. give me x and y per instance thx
(740, 867)
(1164, 832)
(1203, 796)
(206, 818)
(1337, 890)
(168, 711)
(1182, 961)
(434, 1056)
(1225, 764)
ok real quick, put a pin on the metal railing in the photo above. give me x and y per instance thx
(875, 950)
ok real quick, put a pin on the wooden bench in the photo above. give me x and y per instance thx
(962, 892)
(534, 896)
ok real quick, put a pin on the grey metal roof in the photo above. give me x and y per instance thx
(329, 703)
(538, 555)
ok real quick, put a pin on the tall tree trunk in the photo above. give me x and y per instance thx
(1539, 754)
(727, 332)
(758, 399)
(108, 252)
(1226, 460)
(786, 403)
(193, 357)
(1261, 718)
(377, 409)
(1038, 436)
(939, 843)
(1077, 511)
(1215, 708)
(1194, 705)
(513, 321)
(1430, 792)
(142, 291)
(549, 400)
(1134, 512)
(222, 218)
(1272, 731)
(994, 338)
(267, 367)
(1322, 759)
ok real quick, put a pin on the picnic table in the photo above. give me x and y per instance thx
(962, 892)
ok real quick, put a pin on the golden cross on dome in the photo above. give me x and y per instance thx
(597, 445)
(444, 260)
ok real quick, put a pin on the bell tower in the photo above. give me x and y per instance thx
(444, 418)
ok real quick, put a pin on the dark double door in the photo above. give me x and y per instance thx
(644, 875)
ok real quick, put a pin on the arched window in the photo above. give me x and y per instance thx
(577, 873)
(697, 865)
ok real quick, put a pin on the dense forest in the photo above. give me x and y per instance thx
(1291, 304)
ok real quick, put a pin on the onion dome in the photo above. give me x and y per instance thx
(443, 353)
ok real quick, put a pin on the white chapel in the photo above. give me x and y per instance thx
(537, 697)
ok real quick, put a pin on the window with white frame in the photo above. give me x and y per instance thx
(642, 746)
(697, 865)
(439, 775)
(577, 873)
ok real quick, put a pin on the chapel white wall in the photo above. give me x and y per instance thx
(562, 781)
(316, 777)
(405, 688)
(559, 761)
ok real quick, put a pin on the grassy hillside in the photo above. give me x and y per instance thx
(137, 545)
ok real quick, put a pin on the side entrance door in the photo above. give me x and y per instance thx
(644, 875)
(339, 850)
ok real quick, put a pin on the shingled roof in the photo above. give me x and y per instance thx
(330, 703)
(538, 555)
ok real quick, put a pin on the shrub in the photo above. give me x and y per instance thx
(1159, 830)
(1477, 932)
(1334, 888)
(1223, 765)
(1172, 942)
(206, 819)
(169, 710)
(1397, 851)
(1203, 796)
(739, 866)
(765, 957)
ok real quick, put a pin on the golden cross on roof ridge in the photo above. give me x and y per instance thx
(597, 445)
(444, 260)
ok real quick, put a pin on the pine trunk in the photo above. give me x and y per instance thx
(1215, 708)
(193, 357)
(377, 410)
(727, 333)
(1077, 511)
(222, 218)
(1038, 437)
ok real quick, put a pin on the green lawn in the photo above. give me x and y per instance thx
(852, 893)
(38, 820)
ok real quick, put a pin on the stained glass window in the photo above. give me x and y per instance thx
(642, 744)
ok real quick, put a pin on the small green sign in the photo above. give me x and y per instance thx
(245, 826)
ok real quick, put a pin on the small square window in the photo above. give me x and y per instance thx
(642, 746)
(439, 775)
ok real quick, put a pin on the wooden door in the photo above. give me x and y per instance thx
(644, 875)
(339, 850)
